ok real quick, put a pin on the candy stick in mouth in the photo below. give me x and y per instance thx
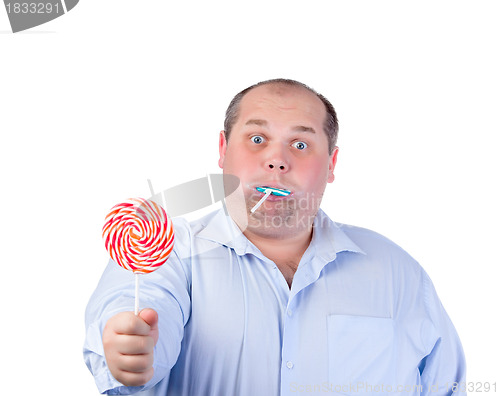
(267, 194)
(268, 191)
(275, 191)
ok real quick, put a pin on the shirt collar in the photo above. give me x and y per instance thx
(219, 227)
(328, 238)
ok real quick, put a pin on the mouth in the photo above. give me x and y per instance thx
(279, 192)
(273, 193)
(270, 193)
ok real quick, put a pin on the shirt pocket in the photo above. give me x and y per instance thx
(361, 355)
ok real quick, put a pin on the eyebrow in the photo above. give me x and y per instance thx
(302, 128)
(256, 122)
(263, 123)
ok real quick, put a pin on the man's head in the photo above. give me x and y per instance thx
(277, 139)
(331, 125)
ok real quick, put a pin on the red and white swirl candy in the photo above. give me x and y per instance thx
(138, 235)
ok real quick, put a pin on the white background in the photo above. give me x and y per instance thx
(98, 101)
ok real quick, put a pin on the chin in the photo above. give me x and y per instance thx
(278, 224)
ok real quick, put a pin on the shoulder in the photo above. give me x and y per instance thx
(370, 241)
(367, 240)
(384, 262)
(379, 250)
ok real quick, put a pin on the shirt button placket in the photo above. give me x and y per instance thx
(288, 372)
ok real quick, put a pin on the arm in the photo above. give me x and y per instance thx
(166, 291)
(443, 369)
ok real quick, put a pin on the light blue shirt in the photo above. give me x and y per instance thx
(361, 318)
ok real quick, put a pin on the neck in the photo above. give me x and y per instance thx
(284, 252)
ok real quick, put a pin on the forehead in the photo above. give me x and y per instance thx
(275, 100)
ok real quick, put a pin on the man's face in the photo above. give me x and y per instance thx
(278, 141)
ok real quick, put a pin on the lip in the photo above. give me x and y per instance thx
(272, 185)
(273, 198)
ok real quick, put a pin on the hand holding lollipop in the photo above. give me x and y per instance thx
(139, 236)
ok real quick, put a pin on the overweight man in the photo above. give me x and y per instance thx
(281, 300)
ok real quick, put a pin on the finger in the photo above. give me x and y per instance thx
(135, 363)
(135, 379)
(133, 344)
(150, 317)
(129, 323)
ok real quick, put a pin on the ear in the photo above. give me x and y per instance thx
(331, 164)
(222, 148)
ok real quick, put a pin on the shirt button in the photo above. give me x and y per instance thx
(289, 364)
(289, 312)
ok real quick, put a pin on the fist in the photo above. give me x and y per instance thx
(129, 341)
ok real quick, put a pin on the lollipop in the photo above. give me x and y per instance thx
(267, 192)
(139, 236)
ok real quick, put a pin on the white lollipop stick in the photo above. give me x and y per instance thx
(136, 294)
(268, 193)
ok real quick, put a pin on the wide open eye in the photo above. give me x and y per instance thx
(257, 139)
(299, 145)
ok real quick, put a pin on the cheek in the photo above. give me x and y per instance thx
(239, 163)
(313, 173)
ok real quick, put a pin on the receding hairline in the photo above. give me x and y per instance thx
(282, 86)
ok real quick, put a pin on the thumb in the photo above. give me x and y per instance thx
(151, 318)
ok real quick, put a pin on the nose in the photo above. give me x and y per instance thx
(277, 163)
(277, 166)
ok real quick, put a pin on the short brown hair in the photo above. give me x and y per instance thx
(331, 125)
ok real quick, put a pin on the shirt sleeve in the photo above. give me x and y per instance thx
(166, 290)
(443, 369)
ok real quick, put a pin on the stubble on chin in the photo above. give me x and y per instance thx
(278, 220)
